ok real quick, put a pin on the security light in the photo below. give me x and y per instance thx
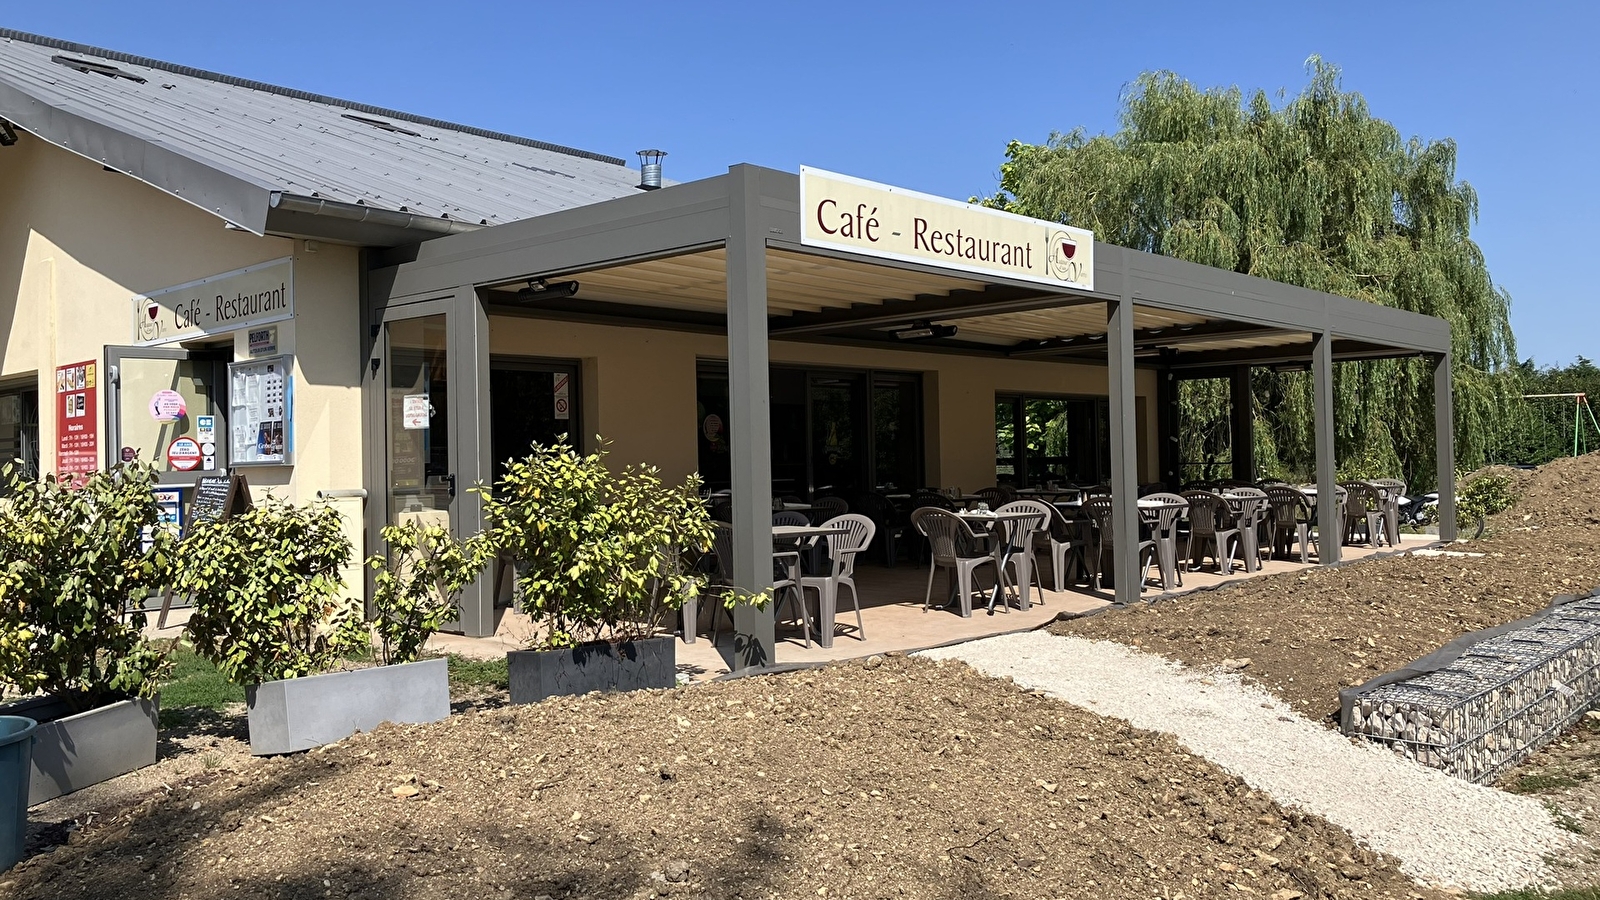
(8, 135)
(539, 289)
(918, 330)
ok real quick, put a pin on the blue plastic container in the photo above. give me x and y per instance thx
(16, 766)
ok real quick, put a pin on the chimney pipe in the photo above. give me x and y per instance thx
(650, 169)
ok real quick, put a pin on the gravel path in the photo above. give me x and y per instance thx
(1442, 830)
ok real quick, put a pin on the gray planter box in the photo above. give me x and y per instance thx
(301, 713)
(75, 750)
(630, 666)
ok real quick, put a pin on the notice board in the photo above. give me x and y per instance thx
(77, 419)
(261, 412)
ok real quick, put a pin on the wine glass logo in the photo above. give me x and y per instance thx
(1062, 257)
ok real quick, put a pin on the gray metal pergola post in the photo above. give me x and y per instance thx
(1330, 524)
(750, 429)
(471, 453)
(1444, 445)
(1242, 423)
(1124, 447)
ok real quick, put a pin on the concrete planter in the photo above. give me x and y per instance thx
(301, 713)
(76, 749)
(630, 666)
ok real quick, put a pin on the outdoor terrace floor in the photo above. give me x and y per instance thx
(893, 615)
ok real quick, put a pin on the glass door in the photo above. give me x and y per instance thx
(420, 484)
(839, 463)
(168, 408)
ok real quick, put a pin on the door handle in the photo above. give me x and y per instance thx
(451, 480)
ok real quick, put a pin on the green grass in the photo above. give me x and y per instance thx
(1585, 893)
(194, 684)
(1538, 784)
(490, 673)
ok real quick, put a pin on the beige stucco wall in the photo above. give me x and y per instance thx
(78, 242)
(639, 391)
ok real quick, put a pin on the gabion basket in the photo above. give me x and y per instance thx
(1497, 703)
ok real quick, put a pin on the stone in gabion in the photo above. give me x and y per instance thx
(1500, 701)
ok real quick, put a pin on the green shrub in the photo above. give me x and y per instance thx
(419, 585)
(1478, 497)
(1485, 495)
(265, 588)
(72, 558)
(600, 555)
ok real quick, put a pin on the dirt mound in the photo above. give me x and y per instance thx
(1307, 634)
(907, 778)
(1561, 492)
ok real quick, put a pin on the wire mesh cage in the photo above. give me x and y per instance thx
(1501, 700)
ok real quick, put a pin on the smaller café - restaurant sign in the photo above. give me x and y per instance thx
(254, 295)
(845, 213)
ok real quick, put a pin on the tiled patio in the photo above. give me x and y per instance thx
(893, 615)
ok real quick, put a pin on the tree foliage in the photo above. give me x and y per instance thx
(1316, 192)
(1540, 429)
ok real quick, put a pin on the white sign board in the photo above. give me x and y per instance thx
(414, 412)
(219, 304)
(563, 404)
(844, 213)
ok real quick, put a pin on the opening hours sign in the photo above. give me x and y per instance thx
(77, 419)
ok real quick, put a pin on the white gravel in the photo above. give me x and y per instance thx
(1442, 830)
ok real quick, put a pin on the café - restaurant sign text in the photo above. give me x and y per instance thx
(254, 295)
(845, 213)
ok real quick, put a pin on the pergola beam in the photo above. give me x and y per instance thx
(1283, 354)
(1166, 336)
(961, 304)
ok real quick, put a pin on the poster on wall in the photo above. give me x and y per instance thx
(261, 413)
(77, 419)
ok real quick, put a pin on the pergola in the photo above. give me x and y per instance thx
(725, 255)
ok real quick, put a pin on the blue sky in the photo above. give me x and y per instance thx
(926, 95)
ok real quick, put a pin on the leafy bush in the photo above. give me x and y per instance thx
(72, 558)
(1485, 495)
(1478, 497)
(419, 585)
(265, 585)
(600, 555)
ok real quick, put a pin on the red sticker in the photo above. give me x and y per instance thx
(183, 454)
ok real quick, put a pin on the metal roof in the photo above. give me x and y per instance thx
(161, 123)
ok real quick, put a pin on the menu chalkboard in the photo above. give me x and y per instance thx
(218, 497)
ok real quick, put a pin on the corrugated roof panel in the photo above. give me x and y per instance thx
(300, 143)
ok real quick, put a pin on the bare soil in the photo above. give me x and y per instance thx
(900, 778)
(1308, 634)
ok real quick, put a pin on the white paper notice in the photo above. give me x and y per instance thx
(414, 412)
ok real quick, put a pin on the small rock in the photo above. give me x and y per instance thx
(676, 870)
(588, 837)
(406, 790)
(874, 661)
(1287, 894)
(1050, 787)
(1234, 665)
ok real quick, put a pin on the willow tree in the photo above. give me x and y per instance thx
(1314, 191)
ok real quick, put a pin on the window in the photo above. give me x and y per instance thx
(19, 428)
(1039, 440)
